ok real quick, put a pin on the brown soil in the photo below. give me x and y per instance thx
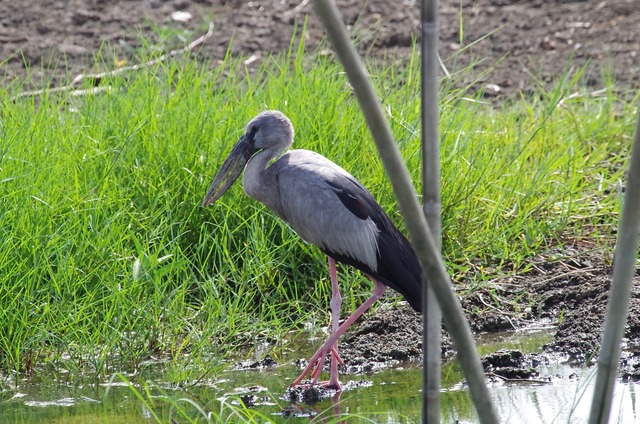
(530, 43)
(534, 38)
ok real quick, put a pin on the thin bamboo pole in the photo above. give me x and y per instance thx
(618, 304)
(432, 207)
(426, 248)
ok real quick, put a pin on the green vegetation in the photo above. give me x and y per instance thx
(107, 257)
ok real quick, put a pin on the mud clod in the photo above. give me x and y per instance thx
(308, 394)
(264, 363)
(512, 365)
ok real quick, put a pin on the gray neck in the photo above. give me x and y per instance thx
(255, 182)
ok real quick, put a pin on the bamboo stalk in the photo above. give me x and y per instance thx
(618, 303)
(432, 207)
(416, 223)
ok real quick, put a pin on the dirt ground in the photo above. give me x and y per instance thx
(528, 44)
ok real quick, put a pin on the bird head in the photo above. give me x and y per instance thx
(270, 130)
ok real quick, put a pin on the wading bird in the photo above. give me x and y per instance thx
(327, 207)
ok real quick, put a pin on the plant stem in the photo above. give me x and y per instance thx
(432, 206)
(618, 304)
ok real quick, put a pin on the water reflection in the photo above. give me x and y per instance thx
(314, 412)
(567, 399)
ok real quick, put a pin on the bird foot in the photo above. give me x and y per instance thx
(314, 367)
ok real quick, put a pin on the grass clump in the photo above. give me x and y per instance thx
(107, 257)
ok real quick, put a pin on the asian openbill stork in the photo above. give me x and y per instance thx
(327, 207)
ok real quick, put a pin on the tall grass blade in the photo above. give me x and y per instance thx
(426, 248)
(618, 304)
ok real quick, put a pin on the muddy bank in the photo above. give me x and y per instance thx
(565, 288)
(572, 293)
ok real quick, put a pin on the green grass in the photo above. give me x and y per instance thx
(107, 257)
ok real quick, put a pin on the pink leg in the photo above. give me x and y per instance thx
(336, 302)
(329, 345)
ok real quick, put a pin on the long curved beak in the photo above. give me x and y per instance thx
(230, 170)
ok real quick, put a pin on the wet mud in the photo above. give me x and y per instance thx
(567, 290)
(571, 293)
(513, 365)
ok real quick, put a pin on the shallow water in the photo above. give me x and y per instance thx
(390, 396)
(566, 399)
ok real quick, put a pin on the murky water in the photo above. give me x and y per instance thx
(391, 396)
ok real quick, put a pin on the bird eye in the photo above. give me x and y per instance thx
(250, 135)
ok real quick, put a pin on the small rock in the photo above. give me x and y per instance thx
(492, 90)
(180, 16)
(72, 49)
